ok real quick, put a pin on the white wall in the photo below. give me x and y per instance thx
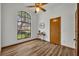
(67, 13)
(9, 23)
(0, 26)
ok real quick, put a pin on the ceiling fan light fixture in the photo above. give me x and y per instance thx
(37, 9)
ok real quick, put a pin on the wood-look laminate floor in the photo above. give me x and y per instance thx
(37, 48)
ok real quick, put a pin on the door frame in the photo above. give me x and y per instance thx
(60, 27)
(78, 29)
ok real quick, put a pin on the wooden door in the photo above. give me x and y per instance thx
(55, 30)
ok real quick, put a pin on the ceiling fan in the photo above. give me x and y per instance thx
(38, 7)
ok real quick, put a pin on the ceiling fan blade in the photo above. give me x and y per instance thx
(44, 3)
(42, 9)
(40, 4)
(30, 6)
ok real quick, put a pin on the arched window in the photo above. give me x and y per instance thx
(23, 25)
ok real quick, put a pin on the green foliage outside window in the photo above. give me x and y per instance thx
(23, 25)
